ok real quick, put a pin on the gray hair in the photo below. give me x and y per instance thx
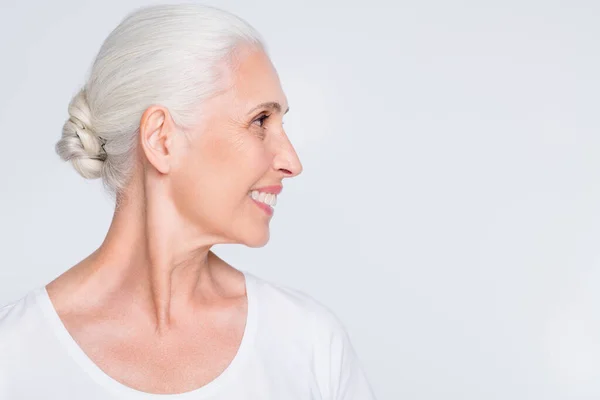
(168, 55)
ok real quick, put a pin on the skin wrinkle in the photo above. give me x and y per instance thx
(153, 306)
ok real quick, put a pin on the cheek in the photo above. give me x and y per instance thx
(216, 173)
(238, 162)
(256, 161)
(240, 157)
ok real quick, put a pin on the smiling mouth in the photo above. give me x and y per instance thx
(269, 199)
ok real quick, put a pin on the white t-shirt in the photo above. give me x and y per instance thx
(293, 348)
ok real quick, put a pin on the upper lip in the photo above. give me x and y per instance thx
(273, 189)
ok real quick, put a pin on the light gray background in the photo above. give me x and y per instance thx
(448, 210)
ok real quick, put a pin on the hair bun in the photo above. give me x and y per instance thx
(79, 144)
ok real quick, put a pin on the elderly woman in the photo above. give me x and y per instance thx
(182, 118)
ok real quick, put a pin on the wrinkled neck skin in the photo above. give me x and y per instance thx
(151, 262)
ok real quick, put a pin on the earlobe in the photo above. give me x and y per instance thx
(155, 137)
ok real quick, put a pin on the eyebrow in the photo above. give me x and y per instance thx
(272, 105)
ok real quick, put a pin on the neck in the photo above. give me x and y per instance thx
(151, 260)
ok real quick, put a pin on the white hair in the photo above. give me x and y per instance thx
(168, 55)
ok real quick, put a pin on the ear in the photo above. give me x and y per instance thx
(156, 136)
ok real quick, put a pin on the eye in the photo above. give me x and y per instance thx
(261, 120)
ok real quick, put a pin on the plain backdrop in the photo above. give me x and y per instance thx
(448, 208)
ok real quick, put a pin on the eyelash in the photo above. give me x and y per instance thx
(262, 118)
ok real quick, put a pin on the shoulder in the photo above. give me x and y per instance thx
(12, 314)
(19, 319)
(296, 315)
(293, 304)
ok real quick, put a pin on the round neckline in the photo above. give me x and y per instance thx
(115, 387)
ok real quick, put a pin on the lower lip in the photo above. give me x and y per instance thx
(267, 208)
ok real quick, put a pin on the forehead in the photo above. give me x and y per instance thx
(253, 79)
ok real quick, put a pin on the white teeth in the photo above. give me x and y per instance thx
(267, 198)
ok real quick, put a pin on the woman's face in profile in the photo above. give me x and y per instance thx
(238, 148)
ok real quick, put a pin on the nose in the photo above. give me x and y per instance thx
(286, 159)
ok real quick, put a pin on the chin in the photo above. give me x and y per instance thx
(258, 239)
